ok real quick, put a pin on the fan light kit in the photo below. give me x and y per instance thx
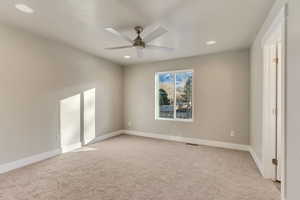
(212, 42)
(139, 43)
(24, 8)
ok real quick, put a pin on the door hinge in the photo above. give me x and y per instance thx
(275, 161)
(276, 60)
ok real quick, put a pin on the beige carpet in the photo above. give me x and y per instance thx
(135, 168)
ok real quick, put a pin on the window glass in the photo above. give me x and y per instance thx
(166, 95)
(184, 95)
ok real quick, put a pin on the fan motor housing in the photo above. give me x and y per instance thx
(138, 42)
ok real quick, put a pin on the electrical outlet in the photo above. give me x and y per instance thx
(232, 133)
(129, 124)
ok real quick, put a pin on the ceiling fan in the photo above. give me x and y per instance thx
(140, 43)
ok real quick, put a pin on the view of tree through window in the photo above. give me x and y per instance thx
(166, 95)
(184, 95)
(171, 85)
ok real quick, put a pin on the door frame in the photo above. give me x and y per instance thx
(277, 28)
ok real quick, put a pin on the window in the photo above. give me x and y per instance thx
(174, 95)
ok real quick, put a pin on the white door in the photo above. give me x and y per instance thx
(280, 103)
(273, 105)
(276, 102)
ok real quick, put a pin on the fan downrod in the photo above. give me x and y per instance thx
(139, 29)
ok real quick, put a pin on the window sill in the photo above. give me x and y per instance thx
(175, 120)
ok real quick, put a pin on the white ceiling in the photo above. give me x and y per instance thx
(80, 23)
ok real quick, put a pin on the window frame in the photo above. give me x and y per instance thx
(157, 96)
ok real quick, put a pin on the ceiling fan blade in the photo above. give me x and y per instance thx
(155, 34)
(140, 52)
(117, 33)
(121, 47)
(150, 46)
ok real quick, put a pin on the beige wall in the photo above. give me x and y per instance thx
(221, 84)
(35, 74)
(256, 86)
(293, 102)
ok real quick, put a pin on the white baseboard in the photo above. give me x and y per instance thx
(72, 147)
(256, 160)
(201, 142)
(43, 156)
(27, 161)
(106, 136)
(190, 140)
(39, 157)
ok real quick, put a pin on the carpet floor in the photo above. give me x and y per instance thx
(136, 168)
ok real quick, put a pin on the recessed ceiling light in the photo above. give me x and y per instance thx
(24, 8)
(127, 57)
(212, 42)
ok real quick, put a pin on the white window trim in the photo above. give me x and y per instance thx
(157, 97)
